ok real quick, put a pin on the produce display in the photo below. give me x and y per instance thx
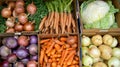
(98, 14)
(100, 51)
(21, 15)
(59, 19)
(19, 51)
(59, 52)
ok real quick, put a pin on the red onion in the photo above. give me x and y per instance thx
(12, 58)
(29, 26)
(32, 64)
(6, 12)
(25, 60)
(20, 3)
(10, 30)
(11, 42)
(4, 51)
(33, 49)
(33, 39)
(6, 64)
(22, 53)
(35, 57)
(19, 64)
(31, 8)
(23, 41)
(22, 18)
(19, 9)
(18, 27)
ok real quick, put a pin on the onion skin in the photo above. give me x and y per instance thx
(33, 49)
(22, 18)
(33, 39)
(18, 27)
(19, 9)
(99, 64)
(6, 64)
(11, 4)
(23, 41)
(71, 40)
(11, 42)
(14, 14)
(4, 51)
(97, 40)
(32, 64)
(108, 39)
(29, 26)
(6, 12)
(20, 3)
(31, 8)
(19, 64)
(12, 58)
(10, 30)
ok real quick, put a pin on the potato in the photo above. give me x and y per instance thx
(106, 51)
(97, 40)
(108, 39)
(99, 64)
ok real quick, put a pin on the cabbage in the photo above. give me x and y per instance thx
(98, 14)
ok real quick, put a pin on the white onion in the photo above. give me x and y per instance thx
(108, 39)
(97, 40)
(10, 23)
(87, 60)
(116, 52)
(94, 52)
(99, 64)
(114, 62)
(115, 42)
(97, 60)
(84, 51)
(86, 41)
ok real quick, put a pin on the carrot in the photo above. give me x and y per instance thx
(63, 57)
(75, 62)
(54, 64)
(57, 47)
(42, 54)
(67, 46)
(69, 22)
(50, 60)
(64, 20)
(61, 49)
(45, 58)
(57, 23)
(42, 23)
(69, 62)
(74, 26)
(69, 49)
(50, 48)
(77, 58)
(53, 52)
(51, 18)
(63, 39)
(44, 41)
(70, 55)
(44, 64)
(59, 42)
(55, 19)
(48, 64)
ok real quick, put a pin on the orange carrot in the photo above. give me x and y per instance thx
(75, 62)
(51, 18)
(69, 49)
(42, 54)
(54, 64)
(63, 57)
(44, 41)
(42, 23)
(50, 48)
(69, 22)
(50, 60)
(63, 39)
(74, 25)
(45, 58)
(77, 58)
(53, 52)
(57, 47)
(70, 55)
(69, 62)
(59, 42)
(48, 64)
(57, 22)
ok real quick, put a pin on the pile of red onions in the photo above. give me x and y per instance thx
(19, 51)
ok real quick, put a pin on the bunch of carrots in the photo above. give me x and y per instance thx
(59, 19)
(56, 52)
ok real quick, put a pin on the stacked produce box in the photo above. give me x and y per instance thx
(39, 33)
(59, 33)
(100, 38)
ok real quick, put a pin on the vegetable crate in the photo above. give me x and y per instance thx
(13, 51)
(110, 42)
(115, 3)
(59, 50)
